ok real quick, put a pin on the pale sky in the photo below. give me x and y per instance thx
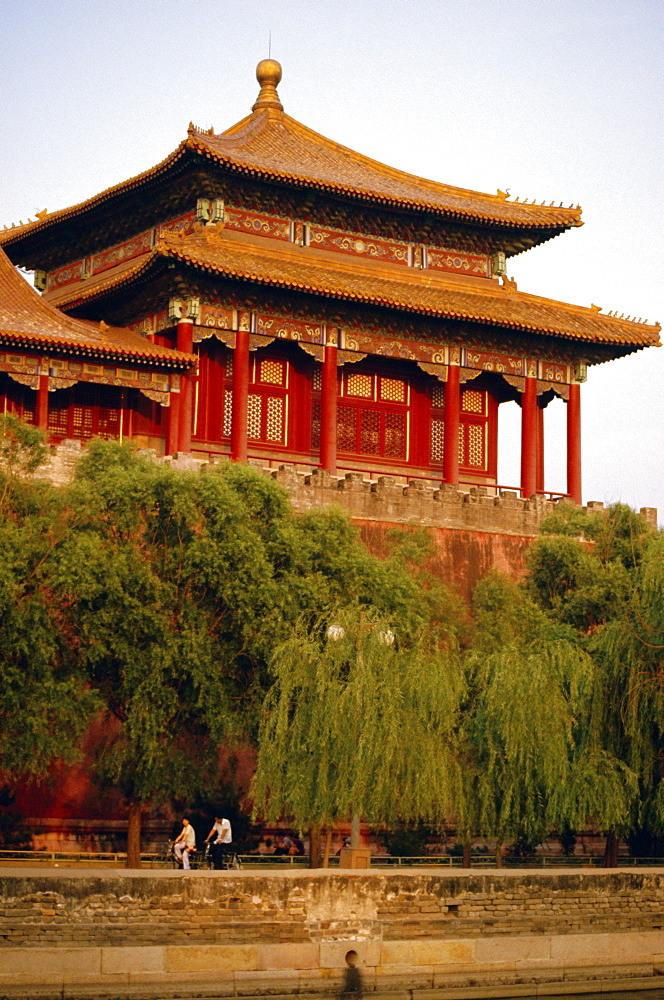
(558, 100)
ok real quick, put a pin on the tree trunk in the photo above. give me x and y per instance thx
(314, 847)
(465, 861)
(499, 854)
(134, 835)
(355, 830)
(328, 845)
(611, 850)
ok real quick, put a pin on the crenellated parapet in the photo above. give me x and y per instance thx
(383, 500)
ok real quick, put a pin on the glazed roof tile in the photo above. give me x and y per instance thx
(25, 316)
(419, 291)
(270, 145)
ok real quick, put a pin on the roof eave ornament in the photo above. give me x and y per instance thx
(268, 74)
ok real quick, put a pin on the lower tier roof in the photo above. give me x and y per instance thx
(27, 318)
(420, 292)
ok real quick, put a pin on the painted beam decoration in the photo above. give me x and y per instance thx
(249, 222)
(216, 319)
(63, 373)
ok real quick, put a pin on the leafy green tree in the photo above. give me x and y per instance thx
(630, 701)
(44, 707)
(530, 760)
(170, 580)
(589, 570)
(361, 719)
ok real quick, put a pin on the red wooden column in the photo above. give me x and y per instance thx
(451, 429)
(185, 342)
(41, 416)
(529, 438)
(574, 443)
(539, 478)
(328, 410)
(240, 397)
(173, 423)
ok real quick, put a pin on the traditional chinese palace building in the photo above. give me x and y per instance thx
(268, 294)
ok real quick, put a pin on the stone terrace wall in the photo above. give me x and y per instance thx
(384, 499)
(249, 934)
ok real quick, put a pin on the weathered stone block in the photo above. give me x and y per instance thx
(211, 958)
(132, 960)
(418, 953)
(512, 949)
(287, 956)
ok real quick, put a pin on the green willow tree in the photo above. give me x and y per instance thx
(180, 586)
(44, 706)
(170, 578)
(531, 762)
(361, 719)
(630, 701)
(587, 571)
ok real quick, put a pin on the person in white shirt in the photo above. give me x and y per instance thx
(184, 843)
(223, 837)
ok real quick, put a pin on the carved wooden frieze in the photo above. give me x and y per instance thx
(458, 263)
(257, 223)
(290, 329)
(360, 246)
(492, 362)
(123, 251)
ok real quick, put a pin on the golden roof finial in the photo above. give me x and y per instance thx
(268, 74)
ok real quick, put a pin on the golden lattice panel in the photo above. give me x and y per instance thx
(472, 401)
(275, 419)
(476, 446)
(254, 416)
(83, 421)
(360, 385)
(393, 390)
(437, 438)
(318, 379)
(228, 411)
(272, 372)
(438, 395)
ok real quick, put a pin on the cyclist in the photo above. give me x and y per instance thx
(223, 838)
(184, 843)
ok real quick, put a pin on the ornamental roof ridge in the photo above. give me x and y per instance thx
(25, 315)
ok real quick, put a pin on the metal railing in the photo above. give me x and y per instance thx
(65, 859)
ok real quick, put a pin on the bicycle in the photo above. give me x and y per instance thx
(169, 859)
(229, 860)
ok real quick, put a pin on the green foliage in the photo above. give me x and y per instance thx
(529, 761)
(22, 450)
(355, 724)
(44, 705)
(630, 704)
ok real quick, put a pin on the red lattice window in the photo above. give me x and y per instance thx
(85, 411)
(372, 415)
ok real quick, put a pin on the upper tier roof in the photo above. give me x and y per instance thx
(425, 292)
(271, 146)
(25, 317)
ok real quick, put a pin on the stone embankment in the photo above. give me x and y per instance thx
(416, 935)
